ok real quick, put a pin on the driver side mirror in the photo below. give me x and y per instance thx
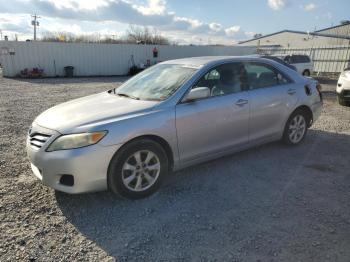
(197, 93)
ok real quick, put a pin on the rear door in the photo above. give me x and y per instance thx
(272, 95)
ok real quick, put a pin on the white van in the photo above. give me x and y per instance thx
(302, 63)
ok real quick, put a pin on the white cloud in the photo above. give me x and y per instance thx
(78, 4)
(86, 16)
(233, 30)
(193, 23)
(309, 7)
(215, 27)
(154, 7)
(71, 28)
(250, 34)
(277, 4)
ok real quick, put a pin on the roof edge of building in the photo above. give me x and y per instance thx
(297, 32)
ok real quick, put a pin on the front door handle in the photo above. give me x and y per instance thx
(291, 91)
(241, 102)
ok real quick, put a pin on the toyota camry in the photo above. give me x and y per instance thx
(174, 114)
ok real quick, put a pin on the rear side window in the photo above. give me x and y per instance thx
(297, 59)
(305, 59)
(261, 75)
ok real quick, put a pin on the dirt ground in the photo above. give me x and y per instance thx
(271, 203)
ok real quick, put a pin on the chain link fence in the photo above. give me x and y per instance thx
(327, 59)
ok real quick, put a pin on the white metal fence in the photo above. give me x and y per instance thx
(327, 59)
(96, 59)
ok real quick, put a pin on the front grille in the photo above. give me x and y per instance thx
(37, 140)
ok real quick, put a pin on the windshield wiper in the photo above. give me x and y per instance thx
(128, 96)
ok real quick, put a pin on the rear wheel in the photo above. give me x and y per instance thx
(138, 169)
(296, 128)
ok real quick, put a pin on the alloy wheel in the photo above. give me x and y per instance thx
(297, 128)
(141, 170)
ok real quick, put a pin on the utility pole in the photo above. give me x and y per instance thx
(35, 23)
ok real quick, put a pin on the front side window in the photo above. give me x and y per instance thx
(212, 75)
(156, 83)
(288, 59)
(224, 79)
(260, 76)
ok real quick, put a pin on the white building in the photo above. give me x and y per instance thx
(336, 35)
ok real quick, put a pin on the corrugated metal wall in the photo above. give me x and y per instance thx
(96, 59)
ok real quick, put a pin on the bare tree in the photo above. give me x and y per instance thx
(134, 35)
(144, 35)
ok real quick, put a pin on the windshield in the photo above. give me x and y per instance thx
(156, 83)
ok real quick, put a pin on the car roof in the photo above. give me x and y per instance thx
(283, 55)
(205, 60)
(208, 61)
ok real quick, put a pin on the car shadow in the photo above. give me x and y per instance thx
(221, 209)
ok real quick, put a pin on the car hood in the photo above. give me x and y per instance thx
(85, 113)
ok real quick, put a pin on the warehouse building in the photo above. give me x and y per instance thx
(332, 36)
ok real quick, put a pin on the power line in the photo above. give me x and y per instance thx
(35, 23)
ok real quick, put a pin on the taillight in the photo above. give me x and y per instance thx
(319, 89)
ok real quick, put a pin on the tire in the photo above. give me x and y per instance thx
(306, 72)
(300, 130)
(130, 165)
(342, 101)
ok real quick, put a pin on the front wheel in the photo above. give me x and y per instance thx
(137, 170)
(296, 128)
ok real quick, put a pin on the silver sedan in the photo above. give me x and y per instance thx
(170, 116)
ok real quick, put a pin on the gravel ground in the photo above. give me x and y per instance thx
(271, 203)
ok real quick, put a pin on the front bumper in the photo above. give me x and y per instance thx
(343, 89)
(88, 166)
(344, 95)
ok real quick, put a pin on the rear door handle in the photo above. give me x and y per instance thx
(241, 102)
(291, 91)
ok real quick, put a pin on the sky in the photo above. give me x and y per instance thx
(182, 21)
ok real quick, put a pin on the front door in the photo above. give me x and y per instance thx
(218, 122)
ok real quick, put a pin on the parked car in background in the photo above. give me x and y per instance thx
(343, 87)
(172, 115)
(279, 60)
(302, 63)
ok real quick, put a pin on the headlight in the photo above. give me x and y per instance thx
(75, 141)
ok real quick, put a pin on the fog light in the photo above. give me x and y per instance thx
(67, 180)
